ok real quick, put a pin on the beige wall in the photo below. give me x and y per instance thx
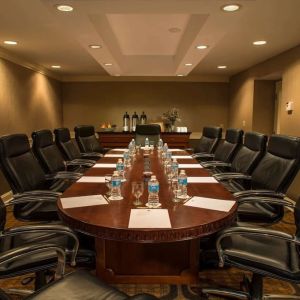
(241, 98)
(263, 106)
(97, 102)
(29, 101)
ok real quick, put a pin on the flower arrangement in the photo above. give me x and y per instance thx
(171, 116)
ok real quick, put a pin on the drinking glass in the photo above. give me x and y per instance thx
(108, 183)
(137, 191)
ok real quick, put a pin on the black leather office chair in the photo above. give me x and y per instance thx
(12, 239)
(69, 148)
(247, 156)
(150, 131)
(271, 178)
(88, 142)
(225, 150)
(264, 252)
(209, 140)
(50, 157)
(34, 193)
(79, 285)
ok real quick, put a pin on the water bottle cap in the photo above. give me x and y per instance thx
(153, 177)
(182, 171)
(120, 160)
(174, 160)
(116, 173)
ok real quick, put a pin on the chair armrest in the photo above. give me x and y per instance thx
(229, 175)
(81, 162)
(269, 200)
(32, 199)
(64, 175)
(142, 297)
(203, 155)
(214, 164)
(91, 154)
(33, 249)
(258, 193)
(54, 229)
(37, 193)
(251, 231)
(189, 150)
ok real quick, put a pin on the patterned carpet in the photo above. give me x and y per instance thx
(213, 277)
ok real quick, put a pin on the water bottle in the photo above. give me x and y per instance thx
(120, 168)
(182, 185)
(133, 143)
(115, 187)
(126, 157)
(153, 189)
(165, 147)
(160, 144)
(147, 143)
(174, 168)
(169, 156)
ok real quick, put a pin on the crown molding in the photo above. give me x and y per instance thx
(105, 78)
(4, 54)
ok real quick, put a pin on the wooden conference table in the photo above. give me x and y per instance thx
(127, 255)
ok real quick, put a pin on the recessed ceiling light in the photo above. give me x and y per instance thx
(10, 42)
(55, 67)
(108, 64)
(64, 7)
(117, 75)
(259, 43)
(231, 7)
(174, 29)
(95, 46)
(222, 67)
(202, 47)
(188, 65)
(180, 75)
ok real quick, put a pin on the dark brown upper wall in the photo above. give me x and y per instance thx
(200, 104)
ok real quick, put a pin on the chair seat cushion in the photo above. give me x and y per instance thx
(78, 285)
(264, 255)
(257, 212)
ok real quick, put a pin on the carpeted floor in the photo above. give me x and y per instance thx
(227, 277)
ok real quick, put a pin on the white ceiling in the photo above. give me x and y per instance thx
(135, 35)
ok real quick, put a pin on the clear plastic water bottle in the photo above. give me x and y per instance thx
(147, 142)
(153, 189)
(160, 144)
(133, 143)
(120, 168)
(182, 184)
(126, 158)
(174, 168)
(115, 187)
(165, 147)
(169, 156)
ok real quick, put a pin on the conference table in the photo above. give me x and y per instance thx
(146, 255)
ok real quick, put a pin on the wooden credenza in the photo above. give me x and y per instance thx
(122, 139)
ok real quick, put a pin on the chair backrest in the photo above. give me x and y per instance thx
(150, 131)
(227, 149)
(65, 144)
(86, 139)
(209, 139)
(279, 166)
(250, 153)
(19, 165)
(2, 215)
(47, 152)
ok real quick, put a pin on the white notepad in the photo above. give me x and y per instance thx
(190, 166)
(104, 166)
(182, 156)
(72, 202)
(113, 155)
(149, 218)
(120, 149)
(175, 150)
(210, 203)
(202, 180)
(100, 179)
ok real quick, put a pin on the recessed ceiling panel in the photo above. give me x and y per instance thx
(148, 34)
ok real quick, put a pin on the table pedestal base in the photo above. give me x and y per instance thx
(171, 263)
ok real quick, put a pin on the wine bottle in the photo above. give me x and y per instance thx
(126, 122)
